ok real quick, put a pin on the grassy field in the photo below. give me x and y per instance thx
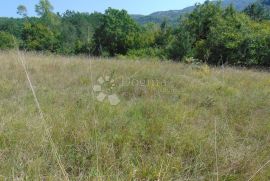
(173, 121)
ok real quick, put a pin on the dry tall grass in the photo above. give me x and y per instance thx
(163, 128)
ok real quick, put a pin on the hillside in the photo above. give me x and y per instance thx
(173, 121)
(172, 16)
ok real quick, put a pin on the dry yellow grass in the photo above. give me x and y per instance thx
(162, 129)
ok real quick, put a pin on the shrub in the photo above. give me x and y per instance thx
(145, 53)
(40, 37)
(238, 40)
(180, 45)
(6, 41)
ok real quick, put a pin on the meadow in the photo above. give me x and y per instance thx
(173, 121)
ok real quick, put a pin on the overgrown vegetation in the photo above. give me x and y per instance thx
(159, 131)
(174, 121)
(7, 41)
(209, 34)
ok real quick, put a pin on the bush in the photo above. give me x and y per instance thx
(257, 45)
(239, 41)
(6, 41)
(40, 37)
(180, 45)
(146, 53)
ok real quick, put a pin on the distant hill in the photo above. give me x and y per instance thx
(238, 4)
(266, 3)
(172, 16)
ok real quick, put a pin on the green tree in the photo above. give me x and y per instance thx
(39, 37)
(22, 11)
(77, 30)
(192, 32)
(6, 41)
(225, 39)
(163, 35)
(12, 26)
(200, 21)
(148, 35)
(256, 46)
(238, 40)
(149, 42)
(180, 45)
(44, 9)
(116, 34)
(257, 11)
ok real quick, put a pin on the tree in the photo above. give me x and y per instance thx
(226, 38)
(163, 36)
(238, 40)
(44, 8)
(256, 11)
(148, 35)
(22, 11)
(7, 41)
(180, 45)
(256, 46)
(200, 21)
(116, 34)
(38, 37)
(193, 31)
(77, 30)
(13, 26)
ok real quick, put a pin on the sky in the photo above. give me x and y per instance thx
(144, 7)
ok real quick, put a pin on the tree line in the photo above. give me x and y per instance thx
(210, 34)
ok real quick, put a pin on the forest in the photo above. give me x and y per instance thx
(209, 34)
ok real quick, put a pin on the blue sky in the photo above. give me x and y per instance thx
(8, 7)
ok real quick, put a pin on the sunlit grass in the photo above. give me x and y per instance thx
(163, 128)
